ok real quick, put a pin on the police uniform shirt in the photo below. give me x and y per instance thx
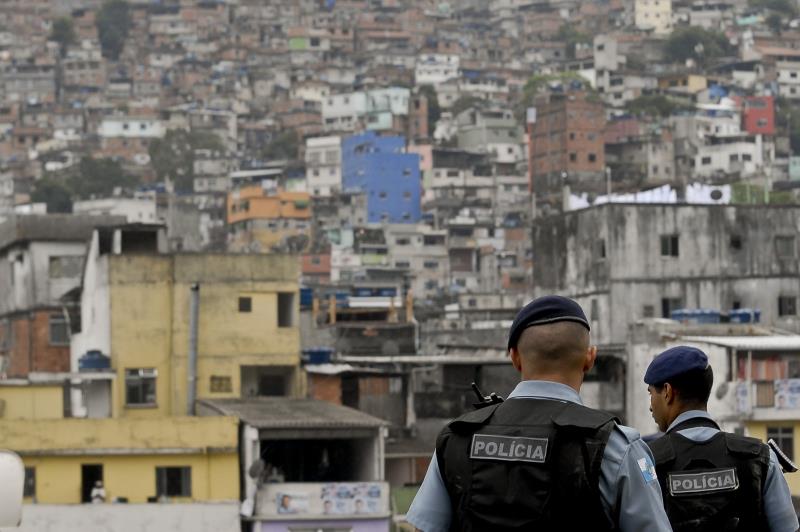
(629, 489)
(778, 507)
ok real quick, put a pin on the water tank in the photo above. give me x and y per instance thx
(745, 315)
(317, 355)
(94, 360)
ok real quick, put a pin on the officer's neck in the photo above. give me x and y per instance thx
(571, 379)
(676, 409)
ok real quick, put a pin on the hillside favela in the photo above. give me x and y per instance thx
(254, 253)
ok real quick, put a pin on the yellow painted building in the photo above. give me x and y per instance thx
(260, 221)
(248, 334)
(198, 454)
(130, 424)
(758, 429)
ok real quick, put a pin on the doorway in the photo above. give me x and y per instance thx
(90, 473)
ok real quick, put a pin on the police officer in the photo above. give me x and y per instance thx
(540, 460)
(711, 480)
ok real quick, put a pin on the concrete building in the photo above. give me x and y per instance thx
(566, 145)
(432, 69)
(41, 260)
(390, 179)
(265, 220)
(653, 15)
(624, 262)
(323, 166)
(491, 131)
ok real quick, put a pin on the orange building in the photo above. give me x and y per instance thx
(262, 221)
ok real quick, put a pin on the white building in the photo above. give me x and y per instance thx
(432, 69)
(653, 15)
(130, 127)
(135, 210)
(323, 165)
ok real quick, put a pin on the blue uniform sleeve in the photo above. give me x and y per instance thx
(430, 510)
(629, 486)
(778, 507)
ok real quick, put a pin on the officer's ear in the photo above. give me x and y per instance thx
(669, 393)
(591, 356)
(516, 359)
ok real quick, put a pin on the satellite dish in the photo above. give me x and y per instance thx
(716, 194)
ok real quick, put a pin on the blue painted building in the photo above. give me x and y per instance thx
(390, 178)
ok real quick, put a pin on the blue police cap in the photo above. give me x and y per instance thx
(547, 309)
(673, 362)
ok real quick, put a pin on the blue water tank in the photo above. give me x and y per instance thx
(745, 315)
(317, 355)
(695, 316)
(306, 297)
(94, 360)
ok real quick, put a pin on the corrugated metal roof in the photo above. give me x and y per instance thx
(287, 413)
(751, 343)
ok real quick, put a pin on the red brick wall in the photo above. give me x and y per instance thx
(325, 388)
(30, 348)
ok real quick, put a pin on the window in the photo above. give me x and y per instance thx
(573, 157)
(407, 195)
(592, 157)
(285, 309)
(140, 387)
(669, 245)
(787, 306)
(402, 264)
(736, 242)
(431, 264)
(29, 489)
(382, 194)
(402, 241)
(59, 332)
(601, 248)
(472, 302)
(649, 311)
(705, 161)
(747, 157)
(668, 304)
(66, 267)
(595, 311)
(174, 481)
(762, 122)
(220, 384)
(784, 437)
(245, 304)
(784, 247)
(733, 158)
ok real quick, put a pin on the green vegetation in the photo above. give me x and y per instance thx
(656, 106)
(696, 43)
(63, 33)
(113, 24)
(173, 156)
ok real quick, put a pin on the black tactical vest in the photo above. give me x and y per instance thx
(525, 464)
(716, 485)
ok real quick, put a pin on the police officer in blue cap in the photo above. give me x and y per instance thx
(711, 480)
(541, 460)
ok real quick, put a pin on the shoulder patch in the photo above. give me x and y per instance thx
(648, 469)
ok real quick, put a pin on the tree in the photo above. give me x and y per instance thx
(54, 193)
(63, 33)
(99, 177)
(570, 35)
(113, 23)
(173, 156)
(787, 7)
(655, 106)
(284, 146)
(693, 42)
(434, 111)
(775, 22)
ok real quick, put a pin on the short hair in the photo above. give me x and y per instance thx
(554, 342)
(692, 387)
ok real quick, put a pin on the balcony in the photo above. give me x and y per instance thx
(768, 400)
